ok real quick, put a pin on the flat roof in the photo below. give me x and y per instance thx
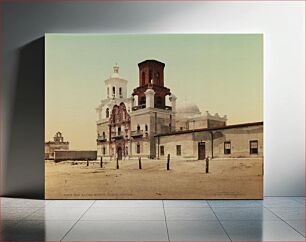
(212, 129)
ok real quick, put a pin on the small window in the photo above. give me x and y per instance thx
(157, 78)
(138, 127)
(120, 91)
(227, 147)
(119, 130)
(253, 147)
(108, 92)
(104, 150)
(159, 101)
(103, 135)
(107, 113)
(114, 90)
(142, 100)
(150, 76)
(181, 128)
(178, 150)
(146, 128)
(138, 149)
(162, 150)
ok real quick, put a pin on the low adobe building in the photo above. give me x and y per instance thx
(232, 141)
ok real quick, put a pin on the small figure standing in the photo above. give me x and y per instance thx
(207, 164)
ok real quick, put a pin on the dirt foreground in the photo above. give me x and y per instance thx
(227, 179)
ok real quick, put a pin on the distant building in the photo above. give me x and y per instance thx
(145, 125)
(58, 143)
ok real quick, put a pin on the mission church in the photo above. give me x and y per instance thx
(149, 123)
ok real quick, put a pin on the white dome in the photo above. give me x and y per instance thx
(187, 109)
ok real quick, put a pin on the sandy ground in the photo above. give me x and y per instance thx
(227, 179)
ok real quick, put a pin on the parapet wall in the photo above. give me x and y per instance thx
(61, 155)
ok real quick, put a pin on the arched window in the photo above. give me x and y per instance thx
(150, 75)
(107, 91)
(114, 90)
(107, 113)
(143, 78)
(142, 100)
(103, 135)
(157, 78)
(138, 148)
(146, 127)
(138, 127)
(159, 101)
(120, 91)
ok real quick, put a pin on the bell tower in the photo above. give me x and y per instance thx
(151, 76)
(116, 86)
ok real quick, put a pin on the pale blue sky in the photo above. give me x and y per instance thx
(219, 72)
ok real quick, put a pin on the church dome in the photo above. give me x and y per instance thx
(187, 109)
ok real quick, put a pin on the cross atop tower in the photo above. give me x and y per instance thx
(116, 68)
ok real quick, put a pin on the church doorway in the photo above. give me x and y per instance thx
(201, 150)
(119, 153)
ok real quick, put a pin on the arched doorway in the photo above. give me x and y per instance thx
(119, 153)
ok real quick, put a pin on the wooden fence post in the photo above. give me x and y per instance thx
(117, 164)
(168, 162)
(207, 164)
(139, 159)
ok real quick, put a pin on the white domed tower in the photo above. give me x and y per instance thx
(116, 86)
(118, 105)
(116, 93)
